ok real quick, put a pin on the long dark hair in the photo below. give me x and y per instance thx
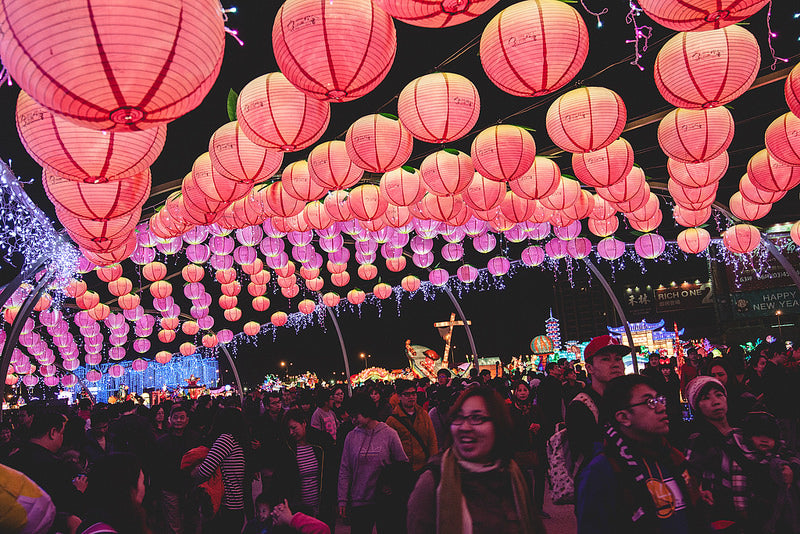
(230, 421)
(112, 482)
(501, 418)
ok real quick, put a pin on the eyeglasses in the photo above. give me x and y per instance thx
(652, 402)
(473, 419)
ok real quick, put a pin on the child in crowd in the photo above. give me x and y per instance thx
(775, 483)
(279, 519)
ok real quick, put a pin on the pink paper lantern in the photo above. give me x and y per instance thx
(116, 371)
(338, 51)
(436, 14)
(566, 194)
(769, 174)
(698, 174)
(467, 273)
(452, 251)
(569, 232)
(539, 181)
(649, 246)
(93, 359)
(516, 208)
(366, 202)
(378, 143)
(225, 336)
(139, 365)
(586, 119)
(410, 283)
(402, 186)
(693, 240)
(30, 380)
(792, 90)
(79, 63)
(604, 167)
(700, 15)
(610, 248)
(274, 114)
(535, 47)
(756, 195)
(447, 172)
(503, 152)
(423, 260)
(473, 228)
(690, 218)
(741, 238)
(746, 210)
(298, 183)
(141, 345)
(116, 353)
(579, 248)
(484, 194)
(603, 227)
(306, 306)
(517, 234)
(98, 201)
(498, 266)
(439, 107)
(783, 139)
(69, 381)
(438, 277)
(625, 189)
(695, 135)
(699, 70)
(51, 381)
(236, 157)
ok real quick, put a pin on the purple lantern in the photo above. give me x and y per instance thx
(250, 236)
(351, 227)
(220, 262)
(115, 371)
(225, 336)
(383, 235)
(516, 234)
(315, 262)
(85, 266)
(467, 273)
(475, 227)
(170, 246)
(71, 365)
(221, 245)
(144, 237)
(93, 359)
(579, 248)
(453, 234)
(198, 253)
(205, 323)
(367, 247)
(556, 248)
(28, 327)
(270, 230)
(610, 248)
(139, 365)
(303, 253)
(49, 317)
(438, 277)
(571, 231)
(398, 240)
(134, 314)
(93, 376)
(365, 258)
(203, 301)
(141, 345)
(276, 262)
(50, 381)
(217, 230)
(30, 380)
(649, 246)
(333, 230)
(164, 304)
(423, 261)
(114, 321)
(388, 251)
(340, 256)
(453, 251)
(198, 311)
(146, 321)
(533, 256)
(244, 255)
(329, 244)
(426, 228)
(538, 231)
(484, 243)
(193, 290)
(300, 239)
(143, 255)
(196, 235)
(420, 245)
(272, 246)
(69, 381)
(498, 266)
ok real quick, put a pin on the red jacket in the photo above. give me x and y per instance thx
(213, 486)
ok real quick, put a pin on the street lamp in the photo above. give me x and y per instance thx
(780, 329)
(363, 357)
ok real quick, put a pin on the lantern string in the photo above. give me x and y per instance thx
(597, 14)
(771, 35)
(233, 33)
(5, 76)
(640, 32)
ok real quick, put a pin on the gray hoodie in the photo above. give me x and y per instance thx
(365, 453)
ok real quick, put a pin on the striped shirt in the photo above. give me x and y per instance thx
(308, 465)
(227, 454)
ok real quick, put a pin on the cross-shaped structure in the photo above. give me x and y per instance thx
(448, 335)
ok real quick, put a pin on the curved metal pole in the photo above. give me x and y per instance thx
(23, 275)
(618, 307)
(16, 328)
(235, 371)
(344, 350)
(457, 306)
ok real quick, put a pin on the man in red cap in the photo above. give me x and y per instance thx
(603, 356)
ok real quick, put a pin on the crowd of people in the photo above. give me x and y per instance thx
(460, 455)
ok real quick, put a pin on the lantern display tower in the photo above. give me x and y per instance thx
(553, 329)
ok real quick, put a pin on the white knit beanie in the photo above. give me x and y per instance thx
(697, 384)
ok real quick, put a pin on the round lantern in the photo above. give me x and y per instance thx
(443, 208)
(366, 202)
(439, 107)
(77, 153)
(604, 167)
(273, 113)
(356, 296)
(586, 119)
(625, 189)
(695, 135)
(402, 186)
(484, 194)
(746, 210)
(166, 336)
(447, 172)
(378, 143)
(120, 287)
(534, 47)
(689, 218)
(280, 202)
(792, 90)
(700, 15)
(336, 51)
(251, 328)
(298, 183)
(367, 271)
(382, 290)
(503, 152)
(698, 174)
(397, 264)
(163, 357)
(769, 174)
(783, 139)
(610, 248)
(100, 201)
(579, 248)
(517, 209)
(436, 14)
(467, 273)
(78, 61)
(116, 371)
(565, 195)
(707, 69)
(139, 365)
(234, 156)
(330, 167)
(539, 181)
(693, 240)
(603, 227)
(649, 246)
(306, 306)
(232, 315)
(498, 266)
(279, 318)
(756, 195)
(741, 238)
(214, 185)
(69, 380)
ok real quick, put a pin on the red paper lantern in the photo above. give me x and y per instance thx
(604, 167)
(317, 216)
(436, 14)
(109, 273)
(99, 312)
(367, 271)
(770, 174)
(251, 328)
(539, 181)
(646, 225)
(503, 152)
(783, 139)
(274, 114)
(81, 154)
(439, 107)
(517, 209)
(77, 59)
(397, 216)
(331, 168)
(792, 90)
(99, 235)
(396, 265)
(232, 314)
(447, 172)
(87, 300)
(484, 194)
(746, 210)
(698, 174)
(187, 349)
(120, 287)
(279, 318)
(306, 306)
(297, 182)
(637, 201)
(741, 238)
(402, 186)
(337, 206)
(689, 218)
(693, 197)
(98, 202)
(163, 357)
(603, 227)
(700, 15)
(190, 328)
(698, 70)
(214, 185)
(236, 157)
(625, 189)
(382, 290)
(693, 240)
(565, 195)
(335, 51)
(695, 135)
(280, 202)
(586, 119)
(378, 143)
(755, 195)
(114, 255)
(154, 271)
(535, 47)
(355, 296)
(166, 336)
(442, 208)
(129, 301)
(582, 208)
(366, 202)
(160, 289)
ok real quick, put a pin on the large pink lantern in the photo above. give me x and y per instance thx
(366, 202)
(236, 157)
(690, 218)
(334, 51)
(610, 248)
(78, 61)
(649, 246)
(438, 277)
(700, 15)
(98, 201)
(483, 194)
(274, 114)
(565, 195)
(579, 248)
(534, 47)
(698, 174)
(693, 240)
(783, 139)
(741, 238)
(698, 70)
(533, 256)
(436, 14)
(467, 273)
(603, 227)
(770, 174)
(447, 172)
(378, 143)
(331, 168)
(539, 181)
(139, 365)
(439, 107)
(503, 152)
(746, 210)
(297, 182)
(792, 90)
(696, 135)
(604, 167)
(586, 119)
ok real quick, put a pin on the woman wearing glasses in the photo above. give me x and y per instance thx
(474, 486)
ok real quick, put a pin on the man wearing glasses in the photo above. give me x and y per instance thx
(639, 483)
(414, 426)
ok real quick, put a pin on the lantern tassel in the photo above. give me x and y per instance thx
(596, 15)
(770, 36)
(642, 32)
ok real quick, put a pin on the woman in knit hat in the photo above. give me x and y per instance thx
(715, 457)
